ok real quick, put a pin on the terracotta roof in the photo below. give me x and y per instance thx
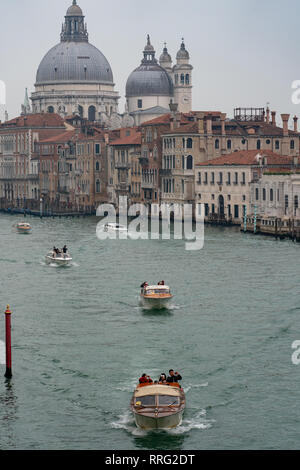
(248, 157)
(165, 119)
(36, 120)
(59, 138)
(135, 139)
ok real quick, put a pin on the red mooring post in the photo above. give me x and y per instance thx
(8, 373)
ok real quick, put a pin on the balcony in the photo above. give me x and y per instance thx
(165, 172)
(122, 165)
(147, 185)
(122, 187)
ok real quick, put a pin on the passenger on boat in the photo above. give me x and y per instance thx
(144, 379)
(173, 376)
(161, 283)
(162, 379)
(65, 249)
(145, 284)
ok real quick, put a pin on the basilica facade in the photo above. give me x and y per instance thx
(75, 78)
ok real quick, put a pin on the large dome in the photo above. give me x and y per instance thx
(74, 62)
(148, 80)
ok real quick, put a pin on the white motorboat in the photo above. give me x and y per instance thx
(61, 259)
(24, 227)
(158, 406)
(113, 227)
(156, 297)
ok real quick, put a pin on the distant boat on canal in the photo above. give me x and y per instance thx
(23, 227)
(158, 406)
(113, 227)
(61, 259)
(155, 296)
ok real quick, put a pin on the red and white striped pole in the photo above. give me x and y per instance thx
(8, 373)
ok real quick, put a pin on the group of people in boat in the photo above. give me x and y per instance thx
(58, 252)
(146, 284)
(163, 379)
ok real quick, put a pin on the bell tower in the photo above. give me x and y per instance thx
(182, 73)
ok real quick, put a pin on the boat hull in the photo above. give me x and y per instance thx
(58, 261)
(164, 422)
(156, 303)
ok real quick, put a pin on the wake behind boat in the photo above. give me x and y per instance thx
(158, 406)
(155, 296)
(59, 257)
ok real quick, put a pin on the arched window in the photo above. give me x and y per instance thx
(182, 79)
(264, 194)
(228, 144)
(277, 144)
(187, 79)
(182, 160)
(97, 186)
(189, 143)
(292, 144)
(189, 162)
(92, 113)
(50, 109)
(258, 145)
(256, 194)
(271, 195)
(97, 166)
(217, 144)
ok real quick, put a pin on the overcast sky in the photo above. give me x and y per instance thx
(244, 52)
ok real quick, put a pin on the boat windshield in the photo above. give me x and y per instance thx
(164, 400)
(148, 400)
(157, 291)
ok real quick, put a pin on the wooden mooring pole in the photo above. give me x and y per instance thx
(8, 372)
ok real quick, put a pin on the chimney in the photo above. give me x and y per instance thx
(200, 118)
(106, 138)
(295, 123)
(209, 124)
(285, 121)
(273, 118)
(268, 116)
(223, 118)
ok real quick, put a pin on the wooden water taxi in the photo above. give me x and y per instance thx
(158, 406)
(156, 296)
(23, 227)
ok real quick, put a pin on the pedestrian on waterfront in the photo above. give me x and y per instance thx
(173, 376)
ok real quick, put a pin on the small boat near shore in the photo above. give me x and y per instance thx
(24, 227)
(158, 406)
(155, 296)
(61, 259)
(113, 227)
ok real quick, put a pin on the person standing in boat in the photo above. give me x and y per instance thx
(144, 379)
(65, 249)
(162, 379)
(173, 376)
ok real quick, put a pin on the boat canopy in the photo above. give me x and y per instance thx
(157, 390)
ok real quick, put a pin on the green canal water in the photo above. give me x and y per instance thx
(81, 340)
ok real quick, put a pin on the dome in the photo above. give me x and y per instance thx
(74, 10)
(182, 53)
(74, 62)
(165, 56)
(148, 80)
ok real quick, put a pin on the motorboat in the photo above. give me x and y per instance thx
(113, 227)
(158, 406)
(156, 296)
(24, 227)
(60, 258)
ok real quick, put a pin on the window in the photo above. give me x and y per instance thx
(199, 178)
(50, 109)
(236, 211)
(97, 166)
(187, 79)
(258, 144)
(205, 178)
(264, 194)
(189, 164)
(277, 144)
(189, 143)
(268, 141)
(217, 144)
(243, 178)
(271, 195)
(182, 161)
(236, 178)
(220, 178)
(97, 149)
(228, 178)
(228, 144)
(166, 400)
(182, 79)
(292, 144)
(256, 194)
(92, 113)
(212, 181)
(148, 400)
(140, 104)
(97, 186)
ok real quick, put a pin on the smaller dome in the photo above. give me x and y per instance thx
(165, 57)
(74, 10)
(182, 53)
(149, 46)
